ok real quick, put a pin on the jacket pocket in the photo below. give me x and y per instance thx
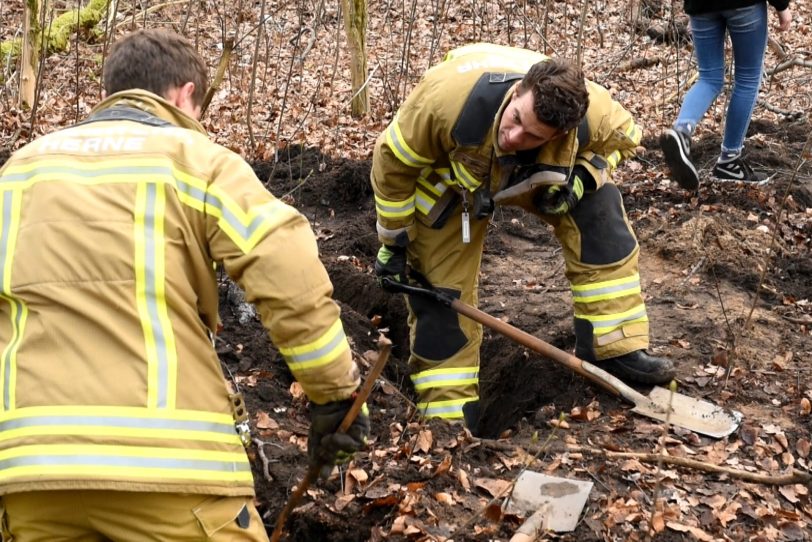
(216, 513)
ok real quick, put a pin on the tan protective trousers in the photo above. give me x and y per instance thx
(600, 252)
(121, 516)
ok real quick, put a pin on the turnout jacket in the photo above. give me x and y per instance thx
(110, 232)
(442, 142)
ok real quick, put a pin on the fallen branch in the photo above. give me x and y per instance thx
(638, 63)
(266, 473)
(803, 321)
(786, 112)
(787, 64)
(793, 476)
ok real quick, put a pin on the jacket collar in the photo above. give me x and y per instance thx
(152, 104)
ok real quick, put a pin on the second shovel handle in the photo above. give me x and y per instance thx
(583, 368)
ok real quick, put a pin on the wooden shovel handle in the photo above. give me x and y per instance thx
(384, 349)
(583, 368)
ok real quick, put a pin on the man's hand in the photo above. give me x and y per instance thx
(561, 199)
(327, 448)
(391, 262)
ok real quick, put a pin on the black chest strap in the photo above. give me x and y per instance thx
(477, 116)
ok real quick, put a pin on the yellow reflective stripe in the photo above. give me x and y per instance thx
(608, 289)
(401, 149)
(122, 473)
(319, 352)
(448, 409)
(437, 190)
(124, 461)
(445, 378)
(614, 158)
(634, 133)
(394, 209)
(244, 227)
(445, 174)
(136, 422)
(180, 415)
(150, 293)
(10, 201)
(464, 177)
(423, 201)
(605, 323)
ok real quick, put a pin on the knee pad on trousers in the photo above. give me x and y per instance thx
(606, 237)
(437, 333)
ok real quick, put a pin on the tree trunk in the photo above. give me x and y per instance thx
(355, 24)
(32, 38)
(55, 33)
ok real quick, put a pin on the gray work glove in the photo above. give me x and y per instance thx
(327, 448)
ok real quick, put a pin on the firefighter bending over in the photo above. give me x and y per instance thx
(506, 126)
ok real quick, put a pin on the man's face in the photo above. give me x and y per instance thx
(519, 128)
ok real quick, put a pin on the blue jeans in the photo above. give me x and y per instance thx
(748, 33)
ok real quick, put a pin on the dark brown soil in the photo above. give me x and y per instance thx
(701, 260)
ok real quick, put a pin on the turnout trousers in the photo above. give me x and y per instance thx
(600, 251)
(124, 516)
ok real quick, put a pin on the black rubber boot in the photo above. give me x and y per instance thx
(470, 413)
(640, 367)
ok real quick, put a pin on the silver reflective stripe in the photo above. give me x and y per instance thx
(431, 411)
(449, 378)
(318, 354)
(632, 287)
(245, 231)
(617, 321)
(395, 209)
(17, 308)
(151, 294)
(118, 421)
(126, 462)
(55, 171)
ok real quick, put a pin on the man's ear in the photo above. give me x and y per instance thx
(184, 96)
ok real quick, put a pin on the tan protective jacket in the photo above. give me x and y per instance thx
(110, 231)
(421, 162)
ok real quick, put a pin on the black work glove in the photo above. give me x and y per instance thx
(391, 262)
(327, 448)
(561, 199)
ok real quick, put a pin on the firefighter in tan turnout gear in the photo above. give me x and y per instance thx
(116, 422)
(506, 126)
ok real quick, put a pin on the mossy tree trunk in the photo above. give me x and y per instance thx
(32, 37)
(355, 25)
(56, 33)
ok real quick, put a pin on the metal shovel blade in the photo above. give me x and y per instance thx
(562, 498)
(693, 414)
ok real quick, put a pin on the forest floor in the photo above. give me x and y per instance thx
(727, 277)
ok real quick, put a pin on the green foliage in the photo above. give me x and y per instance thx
(11, 48)
(60, 30)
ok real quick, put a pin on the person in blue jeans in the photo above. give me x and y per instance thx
(710, 20)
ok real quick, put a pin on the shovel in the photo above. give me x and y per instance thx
(661, 404)
(552, 504)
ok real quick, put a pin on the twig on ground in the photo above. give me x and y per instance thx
(793, 476)
(266, 474)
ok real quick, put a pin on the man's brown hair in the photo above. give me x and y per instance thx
(560, 98)
(154, 60)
